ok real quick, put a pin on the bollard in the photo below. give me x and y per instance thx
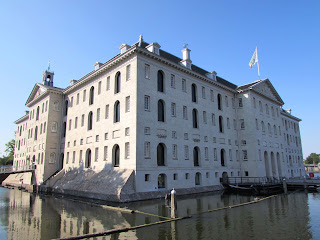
(285, 188)
(173, 206)
(305, 186)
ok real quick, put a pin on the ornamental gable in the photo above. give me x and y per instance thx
(266, 89)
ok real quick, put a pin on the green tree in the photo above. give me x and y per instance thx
(8, 160)
(313, 158)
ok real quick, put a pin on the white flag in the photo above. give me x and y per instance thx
(254, 59)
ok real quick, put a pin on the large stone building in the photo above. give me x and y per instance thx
(147, 121)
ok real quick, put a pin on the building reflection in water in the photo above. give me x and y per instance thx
(47, 217)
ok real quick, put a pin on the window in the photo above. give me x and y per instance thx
(160, 81)
(196, 157)
(206, 154)
(195, 118)
(147, 149)
(184, 85)
(80, 156)
(161, 154)
(105, 152)
(174, 151)
(226, 101)
(36, 133)
(146, 131)
(245, 155)
(73, 157)
(242, 126)
(222, 157)
(106, 136)
(127, 131)
(187, 175)
(116, 155)
(78, 97)
(173, 109)
(174, 134)
(108, 83)
(204, 117)
(116, 112)
(215, 154)
(262, 126)
(240, 102)
(213, 119)
(66, 107)
(194, 93)
(186, 152)
(127, 150)
(38, 113)
(147, 71)
(82, 120)
(99, 88)
(70, 123)
(211, 96)
(117, 83)
(203, 92)
(90, 121)
(221, 124)
(162, 181)
(147, 177)
(197, 179)
(91, 96)
(173, 81)
(128, 75)
(175, 176)
(84, 95)
(228, 123)
(257, 125)
(107, 112)
(161, 111)
(184, 113)
(186, 137)
(76, 122)
(96, 154)
(219, 102)
(97, 138)
(147, 103)
(128, 104)
(98, 114)
(267, 109)
(260, 107)
(71, 102)
(46, 105)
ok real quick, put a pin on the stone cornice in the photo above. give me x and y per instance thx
(290, 116)
(183, 69)
(30, 103)
(106, 66)
(25, 117)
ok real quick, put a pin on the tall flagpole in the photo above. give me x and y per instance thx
(258, 63)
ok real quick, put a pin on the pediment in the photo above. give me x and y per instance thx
(266, 89)
(36, 92)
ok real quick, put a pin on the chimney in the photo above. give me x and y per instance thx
(212, 75)
(73, 81)
(186, 61)
(154, 48)
(26, 112)
(97, 65)
(124, 47)
(288, 111)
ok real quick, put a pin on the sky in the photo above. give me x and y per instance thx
(222, 36)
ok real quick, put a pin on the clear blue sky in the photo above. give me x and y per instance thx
(222, 36)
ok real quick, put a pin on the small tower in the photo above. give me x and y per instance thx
(47, 77)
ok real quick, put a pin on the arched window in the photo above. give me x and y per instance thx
(66, 105)
(262, 126)
(161, 152)
(221, 124)
(64, 129)
(195, 118)
(196, 157)
(160, 81)
(91, 95)
(36, 133)
(269, 128)
(117, 83)
(116, 155)
(116, 117)
(161, 110)
(88, 158)
(194, 93)
(197, 179)
(219, 102)
(38, 112)
(222, 157)
(162, 178)
(90, 121)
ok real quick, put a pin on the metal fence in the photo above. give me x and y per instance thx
(253, 180)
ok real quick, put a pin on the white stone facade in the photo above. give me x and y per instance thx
(172, 123)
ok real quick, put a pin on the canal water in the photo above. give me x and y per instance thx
(31, 216)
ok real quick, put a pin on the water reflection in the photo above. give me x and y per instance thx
(29, 216)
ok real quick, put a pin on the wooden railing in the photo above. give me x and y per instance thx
(253, 180)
